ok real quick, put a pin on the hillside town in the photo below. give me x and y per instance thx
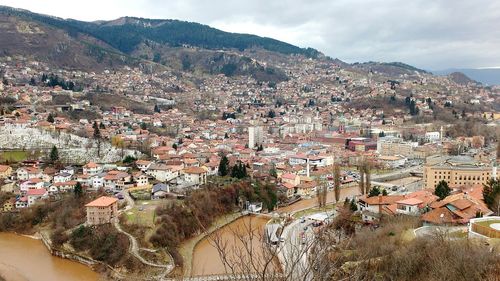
(415, 145)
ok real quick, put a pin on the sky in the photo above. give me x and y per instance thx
(429, 34)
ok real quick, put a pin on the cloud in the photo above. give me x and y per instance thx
(428, 34)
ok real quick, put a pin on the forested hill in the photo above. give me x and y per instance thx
(126, 34)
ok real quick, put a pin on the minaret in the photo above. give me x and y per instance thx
(441, 133)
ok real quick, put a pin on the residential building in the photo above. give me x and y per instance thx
(195, 175)
(92, 169)
(5, 171)
(102, 210)
(255, 136)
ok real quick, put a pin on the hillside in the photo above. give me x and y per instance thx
(178, 45)
(487, 76)
(460, 78)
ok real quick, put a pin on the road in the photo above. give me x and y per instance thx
(134, 245)
(294, 250)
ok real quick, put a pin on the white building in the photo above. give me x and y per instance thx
(255, 136)
(432, 136)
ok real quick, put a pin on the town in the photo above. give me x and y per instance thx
(325, 171)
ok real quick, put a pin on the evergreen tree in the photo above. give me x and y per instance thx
(78, 190)
(101, 126)
(353, 205)
(224, 166)
(174, 146)
(97, 137)
(442, 190)
(157, 109)
(54, 154)
(50, 118)
(375, 191)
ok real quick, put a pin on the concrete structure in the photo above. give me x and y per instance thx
(102, 210)
(393, 161)
(456, 171)
(255, 136)
(388, 146)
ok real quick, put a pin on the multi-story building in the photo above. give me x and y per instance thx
(388, 146)
(255, 136)
(102, 210)
(456, 171)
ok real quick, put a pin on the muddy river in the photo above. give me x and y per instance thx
(237, 240)
(26, 259)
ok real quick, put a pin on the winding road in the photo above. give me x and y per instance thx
(134, 245)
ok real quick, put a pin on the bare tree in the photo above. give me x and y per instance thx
(361, 179)
(368, 183)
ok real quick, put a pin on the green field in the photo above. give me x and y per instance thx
(143, 213)
(13, 156)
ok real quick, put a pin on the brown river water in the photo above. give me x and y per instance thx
(207, 258)
(26, 259)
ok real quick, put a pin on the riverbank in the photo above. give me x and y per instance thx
(26, 259)
(239, 238)
(187, 248)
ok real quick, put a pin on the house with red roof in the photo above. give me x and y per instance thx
(92, 169)
(456, 209)
(34, 195)
(102, 210)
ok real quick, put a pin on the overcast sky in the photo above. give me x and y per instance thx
(430, 34)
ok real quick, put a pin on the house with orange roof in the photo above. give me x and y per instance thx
(143, 165)
(92, 169)
(26, 173)
(290, 178)
(379, 204)
(409, 206)
(102, 210)
(117, 180)
(455, 209)
(5, 171)
(195, 175)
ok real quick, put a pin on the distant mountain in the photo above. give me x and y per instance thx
(127, 33)
(139, 42)
(460, 78)
(388, 68)
(487, 76)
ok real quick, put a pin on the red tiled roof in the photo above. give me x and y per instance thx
(36, 192)
(103, 201)
(194, 170)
